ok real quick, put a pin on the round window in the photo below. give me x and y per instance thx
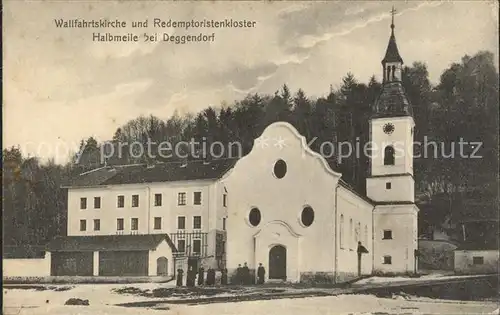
(254, 217)
(280, 169)
(307, 216)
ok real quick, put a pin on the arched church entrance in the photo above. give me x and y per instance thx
(277, 262)
(162, 266)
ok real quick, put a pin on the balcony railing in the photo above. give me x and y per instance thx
(190, 239)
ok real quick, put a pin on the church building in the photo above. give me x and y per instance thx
(282, 205)
(292, 213)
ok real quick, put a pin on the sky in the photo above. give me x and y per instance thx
(60, 86)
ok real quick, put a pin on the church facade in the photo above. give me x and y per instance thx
(292, 213)
(281, 206)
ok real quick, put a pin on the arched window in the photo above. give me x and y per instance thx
(365, 240)
(388, 73)
(341, 236)
(358, 231)
(351, 233)
(389, 155)
(393, 72)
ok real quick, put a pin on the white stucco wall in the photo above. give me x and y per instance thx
(401, 139)
(308, 182)
(352, 207)
(27, 267)
(464, 261)
(210, 210)
(162, 250)
(402, 221)
(146, 212)
(402, 188)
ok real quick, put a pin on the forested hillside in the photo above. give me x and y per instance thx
(463, 105)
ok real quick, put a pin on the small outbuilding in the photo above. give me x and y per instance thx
(112, 255)
(473, 258)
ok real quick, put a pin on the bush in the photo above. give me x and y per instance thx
(76, 301)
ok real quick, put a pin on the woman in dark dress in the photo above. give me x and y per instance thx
(180, 273)
(190, 277)
(210, 276)
(223, 279)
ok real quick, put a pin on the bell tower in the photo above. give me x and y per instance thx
(390, 183)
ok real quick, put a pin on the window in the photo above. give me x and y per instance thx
(197, 222)
(157, 200)
(181, 246)
(351, 233)
(387, 260)
(388, 185)
(365, 240)
(97, 202)
(224, 224)
(119, 224)
(135, 201)
(181, 199)
(254, 217)
(97, 225)
(387, 235)
(224, 200)
(280, 169)
(83, 225)
(134, 224)
(197, 246)
(197, 198)
(357, 235)
(477, 260)
(389, 155)
(83, 203)
(181, 223)
(341, 231)
(307, 216)
(157, 223)
(121, 201)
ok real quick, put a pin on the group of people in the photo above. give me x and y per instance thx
(192, 273)
(242, 276)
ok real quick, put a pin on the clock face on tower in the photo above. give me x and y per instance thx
(388, 128)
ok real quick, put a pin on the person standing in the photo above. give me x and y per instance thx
(190, 277)
(223, 278)
(201, 276)
(245, 274)
(180, 273)
(261, 272)
(210, 276)
(239, 275)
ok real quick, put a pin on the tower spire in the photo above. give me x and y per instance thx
(392, 62)
(392, 100)
(393, 11)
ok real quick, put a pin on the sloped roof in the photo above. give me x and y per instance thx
(23, 251)
(108, 243)
(160, 172)
(478, 245)
(392, 101)
(392, 52)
